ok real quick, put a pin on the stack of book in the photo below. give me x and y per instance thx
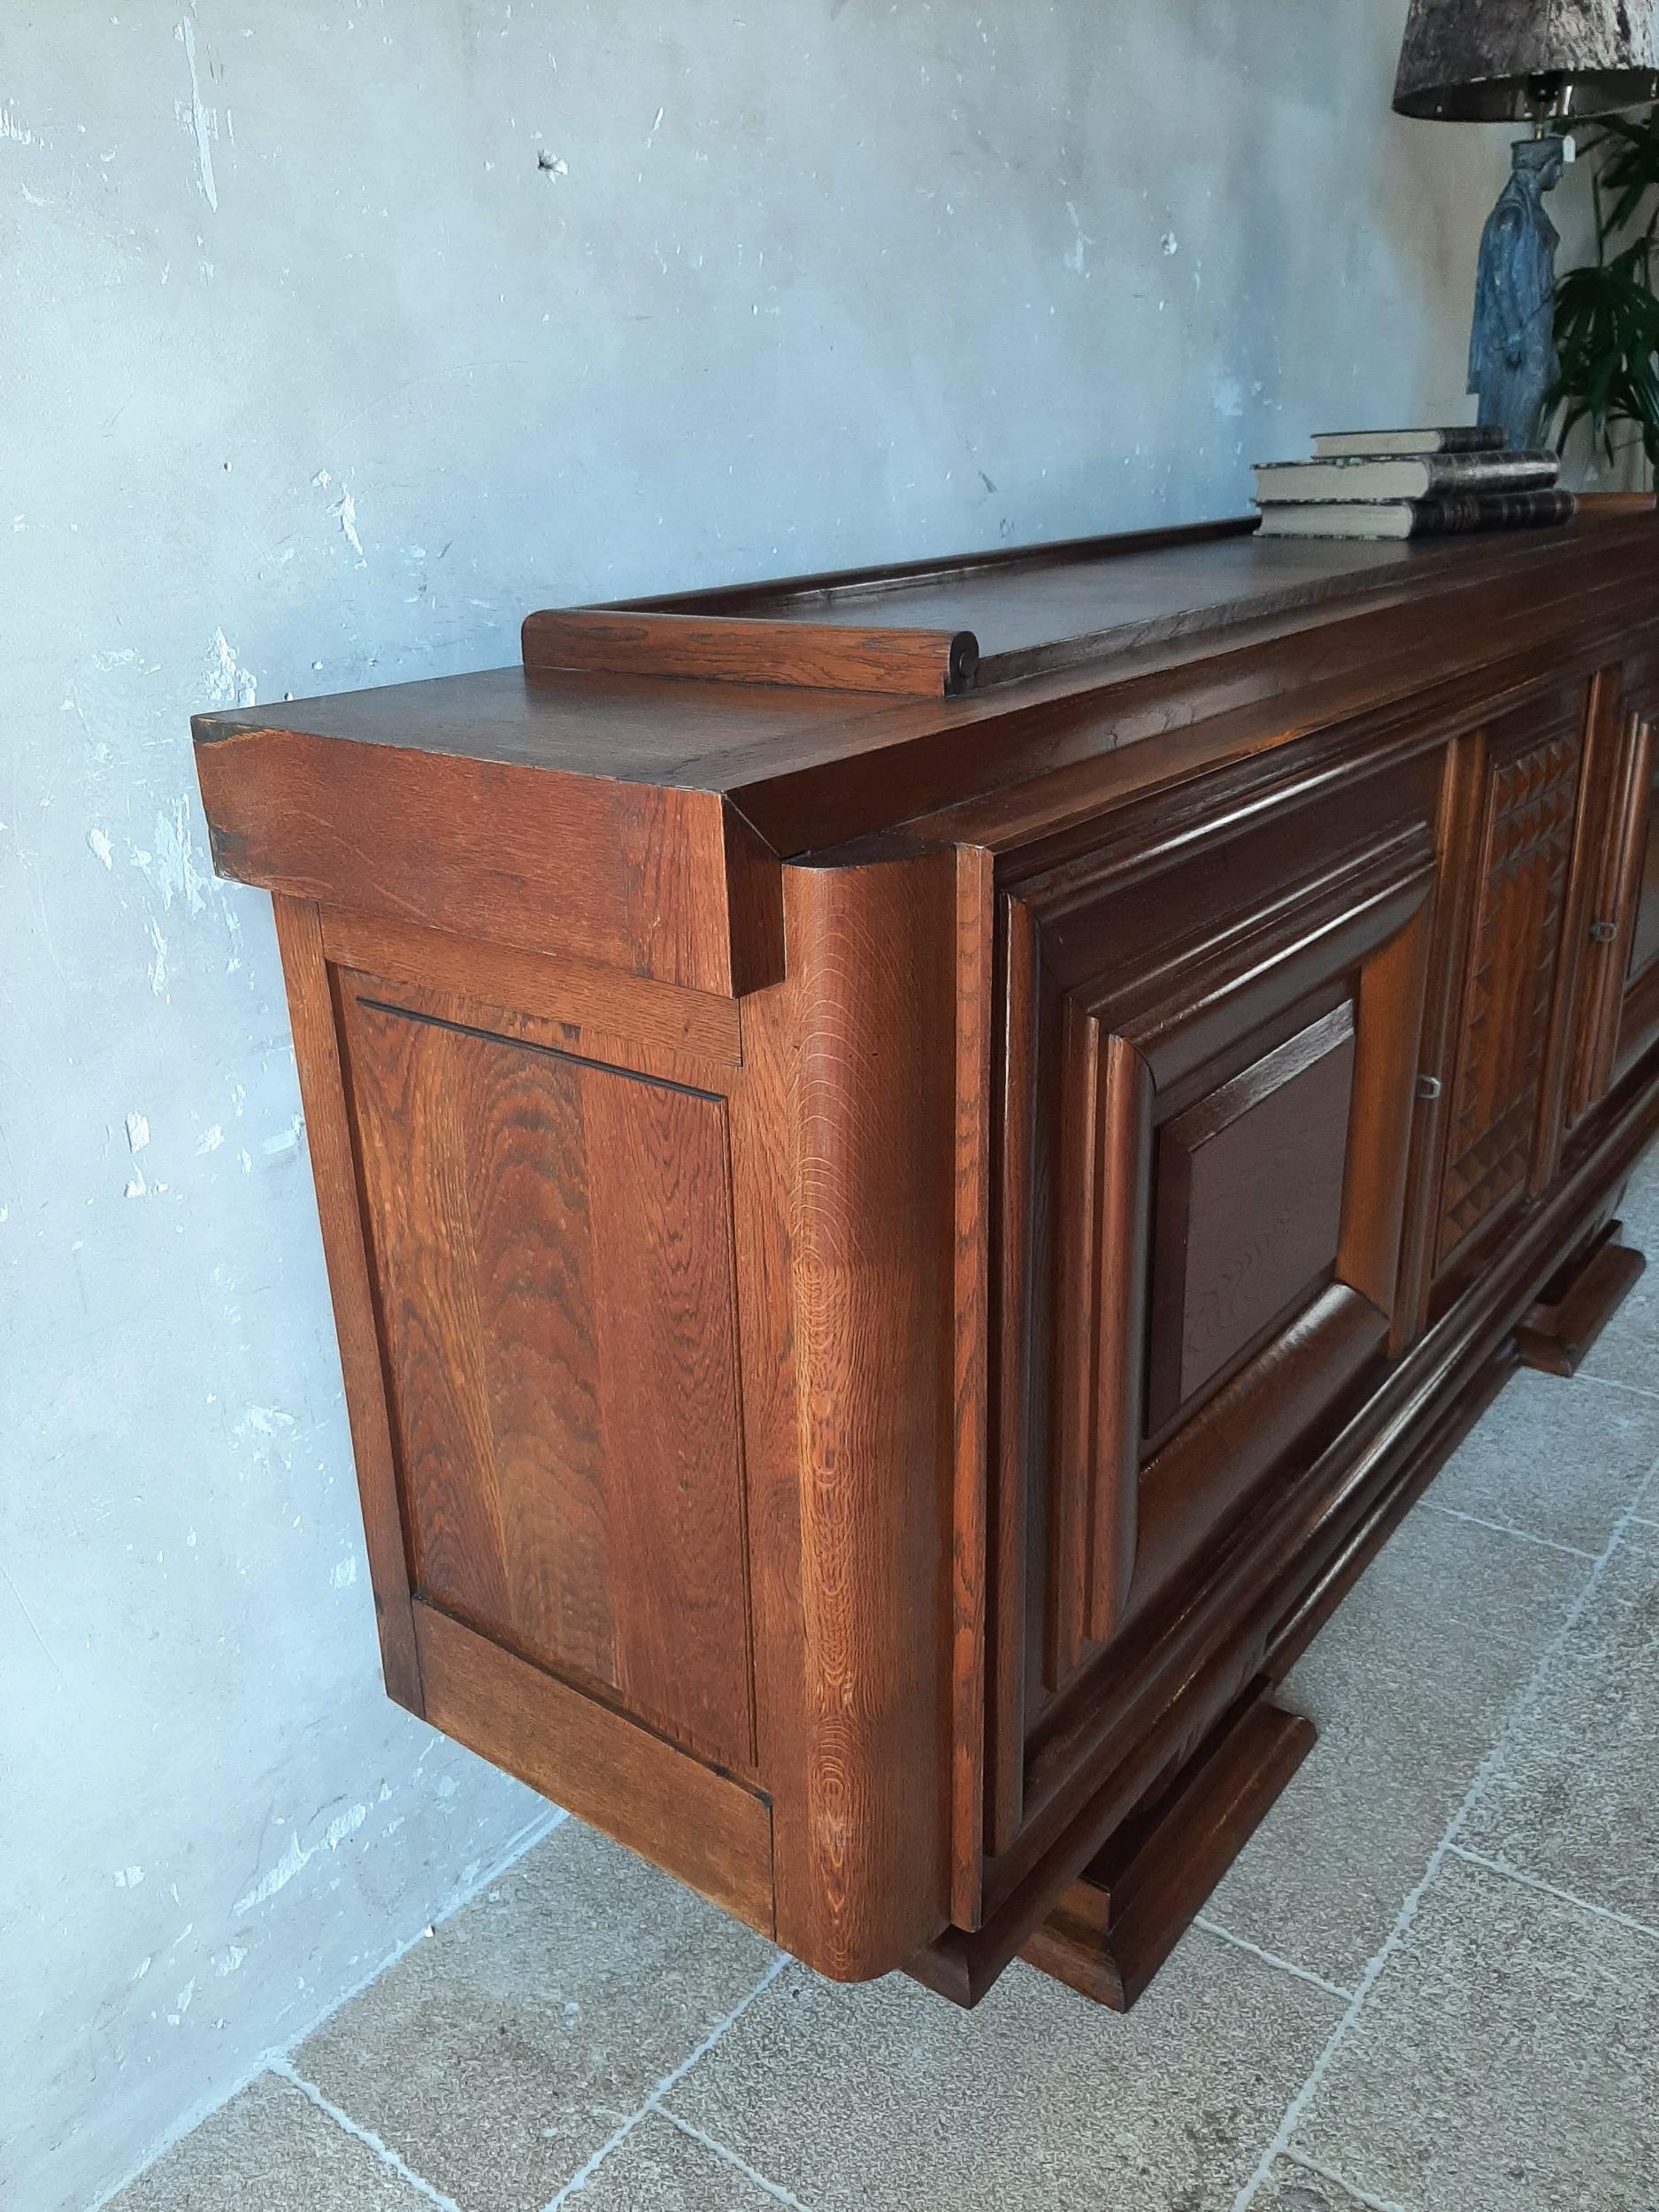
(1411, 484)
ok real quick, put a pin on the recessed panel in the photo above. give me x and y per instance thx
(1250, 1209)
(553, 1247)
(1644, 951)
(1531, 806)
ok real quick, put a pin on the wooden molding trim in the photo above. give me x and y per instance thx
(703, 1826)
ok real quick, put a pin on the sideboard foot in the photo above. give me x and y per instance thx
(1575, 1306)
(1116, 1925)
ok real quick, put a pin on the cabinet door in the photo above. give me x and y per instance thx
(1520, 776)
(1210, 1050)
(1617, 1012)
(1638, 1009)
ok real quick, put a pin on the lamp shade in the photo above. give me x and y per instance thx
(1497, 61)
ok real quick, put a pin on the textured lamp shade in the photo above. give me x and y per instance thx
(1496, 61)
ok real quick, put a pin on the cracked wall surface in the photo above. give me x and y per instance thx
(335, 335)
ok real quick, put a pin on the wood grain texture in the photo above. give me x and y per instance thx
(884, 1354)
(710, 1831)
(598, 1012)
(1019, 1279)
(1387, 1129)
(1115, 1927)
(1251, 1183)
(872, 951)
(1614, 783)
(1521, 875)
(971, 1534)
(933, 663)
(317, 1051)
(1180, 982)
(618, 874)
(1560, 1331)
(553, 1257)
(1106, 1148)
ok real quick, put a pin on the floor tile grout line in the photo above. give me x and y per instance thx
(585, 2173)
(1490, 1765)
(1611, 1382)
(751, 2173)
(270, 2061)
(1340, 2181)
(284, 2071)
(1270, 1958)
(1507, 1528)
(1553, 1889)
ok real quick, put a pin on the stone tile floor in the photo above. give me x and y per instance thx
(1430, 1984)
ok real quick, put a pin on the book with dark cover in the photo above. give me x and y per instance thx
(1336, 445)
(1444, 514)
(1414, 476)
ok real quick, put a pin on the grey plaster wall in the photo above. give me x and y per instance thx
(333, 335)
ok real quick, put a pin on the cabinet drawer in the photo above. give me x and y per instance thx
(1210, 1050)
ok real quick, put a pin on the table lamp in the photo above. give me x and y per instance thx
(1545, 62)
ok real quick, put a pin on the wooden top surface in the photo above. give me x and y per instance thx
(810, 767)
(1039, 608)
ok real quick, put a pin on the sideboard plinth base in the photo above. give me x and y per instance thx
(1116, 1925)
(1560, 1330)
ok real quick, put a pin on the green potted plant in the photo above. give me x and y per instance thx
(1607, 316)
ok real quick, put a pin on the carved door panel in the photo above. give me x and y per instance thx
(1617, 1010)
(1637, 917)
(1209, 1052)
(1521, 777)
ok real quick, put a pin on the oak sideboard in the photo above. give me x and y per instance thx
(917, 1166)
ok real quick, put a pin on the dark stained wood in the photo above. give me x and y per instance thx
(1105, 1110)
(710, 1831)
(1332, 1509)
(895, 1255)
(1091, 601)
(1249, 1187)
(873, 958)
(809, 769)
(596, 640)
(1228, 1450)
(328, 1133)
(1597, 956)
(1019, 1283)
(1560, 1331)
(1532, 765)
(1116, 1925)
(971, 1534)
(553, 1261)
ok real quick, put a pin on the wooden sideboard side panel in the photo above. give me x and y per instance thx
(311, 1009)
(553, 1250)
(708, 1829)
(596, 1012)
(863, 1786)
(671, 885)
